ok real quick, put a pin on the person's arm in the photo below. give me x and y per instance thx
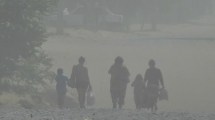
(72, 80)
(55, 79)
(67, 79)
(127, 74)
(145, 78)
(88, 79)
(73, 75)
(110, 70)
(133, 83)
(161, 79)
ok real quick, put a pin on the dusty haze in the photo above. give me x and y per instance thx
(187, 65)
(183, 48)
(178, 34)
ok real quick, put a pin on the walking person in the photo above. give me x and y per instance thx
(81, 80)
(138, 85)
(152, 80)
(61, 82)
(118, 82)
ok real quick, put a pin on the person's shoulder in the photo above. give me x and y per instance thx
(111, 69)
(65, 77)
(74, 66)
(157, 69)
(85, 68)
(124, 67)
(59, 77)
(56, 77)
(112, 66)
(148, 69)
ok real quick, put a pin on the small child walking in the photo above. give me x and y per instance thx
(138, 85)
(61, 82)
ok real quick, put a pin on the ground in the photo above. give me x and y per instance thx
(97, 114)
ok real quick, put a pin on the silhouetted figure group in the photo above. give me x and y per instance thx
(79, 79)
(146, 89)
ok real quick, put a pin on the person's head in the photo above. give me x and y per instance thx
(81, 60)
(119, 60)
(59, 71)
(151, 63)
(139, 77)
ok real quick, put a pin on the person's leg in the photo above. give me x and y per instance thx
(150, 102)
(61, 98)
(81, 97)
(122, 95)
(156, 107)
(139, 101)
(153, 104)
(84, 97)
(155, 98)
(114, 98)
(136, 101)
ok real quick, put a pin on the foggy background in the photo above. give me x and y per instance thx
(187, 66)
(177, 34)
(183, 48)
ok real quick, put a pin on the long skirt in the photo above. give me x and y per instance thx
(152, 92)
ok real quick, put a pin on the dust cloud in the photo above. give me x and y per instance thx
(187, 65)
(179, 36)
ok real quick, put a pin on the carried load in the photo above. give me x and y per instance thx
(163, 94)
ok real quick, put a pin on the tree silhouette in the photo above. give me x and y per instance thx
(22, 62)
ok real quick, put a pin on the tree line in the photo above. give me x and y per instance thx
(167, 8)
(146, 11)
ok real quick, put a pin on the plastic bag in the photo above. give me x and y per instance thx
(90, 98)
(163, 94)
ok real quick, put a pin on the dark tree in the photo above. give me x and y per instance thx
(22, 33)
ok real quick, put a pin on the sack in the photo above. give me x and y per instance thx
(163, 94)
(90, 98)
(71, 83)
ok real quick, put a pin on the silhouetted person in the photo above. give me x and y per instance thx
(118, 83)
(138, 85)
(82, 82)
(61, 87)
(153, 78)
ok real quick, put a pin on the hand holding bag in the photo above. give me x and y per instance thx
(90, 98)
(163, 94)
